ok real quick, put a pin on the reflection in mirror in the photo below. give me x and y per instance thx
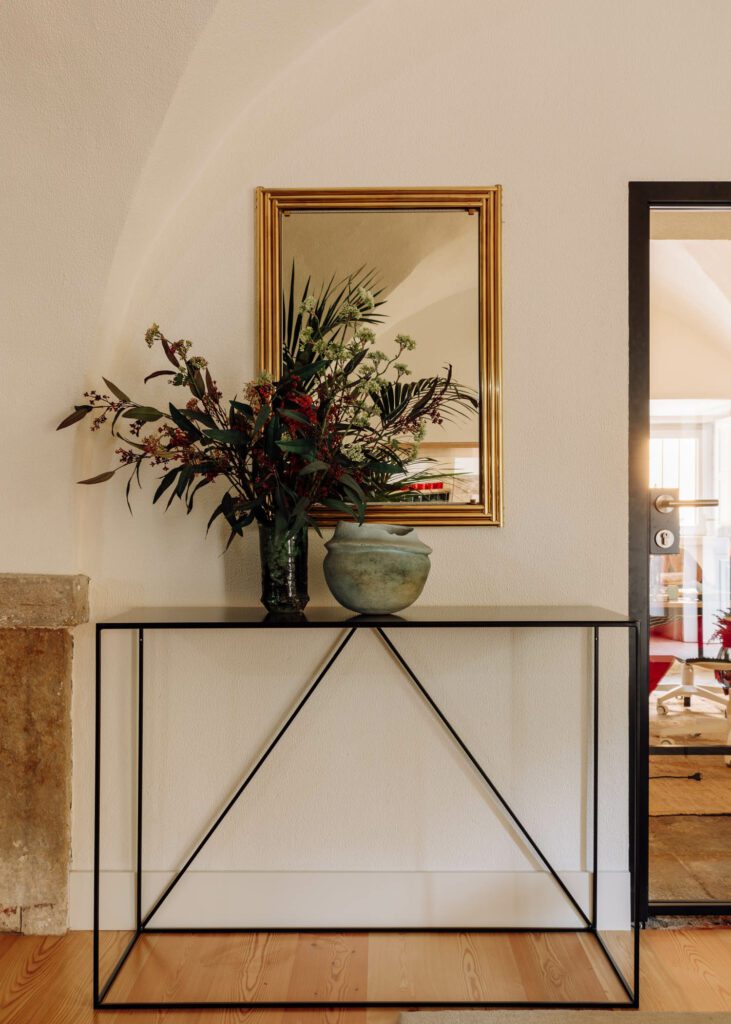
(431, 260)
(425, 276)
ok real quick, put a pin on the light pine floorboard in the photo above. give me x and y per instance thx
(48, 980)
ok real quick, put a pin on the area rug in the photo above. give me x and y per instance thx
(690, 857)
(690, 821)
(559, 1017)
(673, 792)
(678, 922)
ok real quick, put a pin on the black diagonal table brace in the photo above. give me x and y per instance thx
(248, 618)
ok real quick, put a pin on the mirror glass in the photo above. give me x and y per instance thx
(424, 267)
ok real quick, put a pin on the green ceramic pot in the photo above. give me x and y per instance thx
(376, 568)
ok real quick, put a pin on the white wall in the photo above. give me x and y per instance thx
(133, 135)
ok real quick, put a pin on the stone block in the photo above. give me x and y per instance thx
(35, 777)
(9, 919)
(38, 601)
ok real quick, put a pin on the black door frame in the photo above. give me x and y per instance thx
(644, 196)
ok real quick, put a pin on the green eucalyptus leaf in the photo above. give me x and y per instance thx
(196, 383)
(354, 363)
(170, 354)
(261, 418)
(340, 506)
(242, 408)
(218, 510)
(186, 475)
(305, 372)
(117, 392)
(316, 466)
(129, 484)
(102, 478)
(353, 485)
(142, 412)
(191, 496)
(80, 411)
(159, 373)
(296, 415)
(166, 482)
(298, 445)
(228, 507)
(243, 521)
(185, 424)
(199, 417)
(226, 436)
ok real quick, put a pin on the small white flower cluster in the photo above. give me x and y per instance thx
(365, 335)
(327, 349)
(366, 300)
(354, 452)
(308, 306)
(361, 418)
(349, 311)
(153, 334)
(405, 341)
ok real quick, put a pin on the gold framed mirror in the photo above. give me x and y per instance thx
(432, 256)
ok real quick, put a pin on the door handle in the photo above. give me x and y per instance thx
(666, 503)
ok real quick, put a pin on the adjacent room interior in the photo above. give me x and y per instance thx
(690, 587)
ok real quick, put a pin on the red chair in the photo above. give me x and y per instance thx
(659, 666)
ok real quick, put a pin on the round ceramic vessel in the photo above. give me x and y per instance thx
(376, 568)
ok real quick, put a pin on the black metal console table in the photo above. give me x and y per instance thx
(587, 618)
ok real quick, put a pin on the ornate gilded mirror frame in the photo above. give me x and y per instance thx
(272, 205)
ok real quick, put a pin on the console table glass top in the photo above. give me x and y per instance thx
(419, 615)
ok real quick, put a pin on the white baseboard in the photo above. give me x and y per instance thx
(420, 899)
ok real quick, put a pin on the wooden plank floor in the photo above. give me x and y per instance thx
(383, 967)
(47, 980)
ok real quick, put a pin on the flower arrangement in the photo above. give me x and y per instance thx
(338, 429)
(722, 634)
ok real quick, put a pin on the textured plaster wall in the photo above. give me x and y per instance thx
(134, 135)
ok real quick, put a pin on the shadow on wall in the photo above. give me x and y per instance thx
(185, 259)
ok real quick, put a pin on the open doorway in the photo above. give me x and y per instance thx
(680, 537)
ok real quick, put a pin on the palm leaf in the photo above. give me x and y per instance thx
(327, 313)
(411, 400)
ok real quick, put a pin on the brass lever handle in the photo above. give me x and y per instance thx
(666, 503)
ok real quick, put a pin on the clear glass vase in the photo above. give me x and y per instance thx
(283, 571)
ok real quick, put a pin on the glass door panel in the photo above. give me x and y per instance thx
(690, 586)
